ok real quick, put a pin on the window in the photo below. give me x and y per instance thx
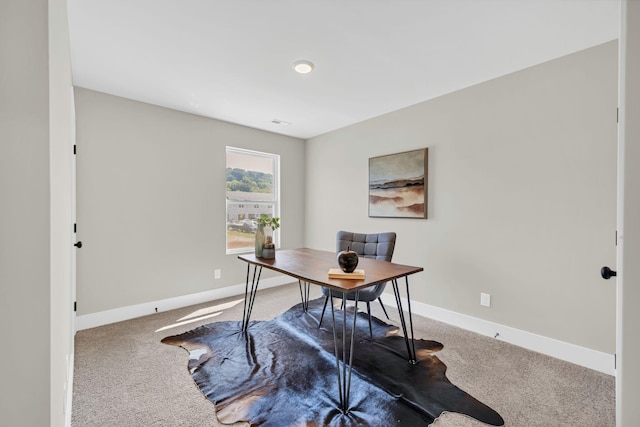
(252, 189)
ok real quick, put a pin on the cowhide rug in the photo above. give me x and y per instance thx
(283, 373)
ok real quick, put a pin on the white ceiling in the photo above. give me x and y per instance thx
(232, 59)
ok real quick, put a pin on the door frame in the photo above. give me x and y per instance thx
(628, 218)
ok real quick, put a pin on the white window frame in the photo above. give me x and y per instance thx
(276, 195)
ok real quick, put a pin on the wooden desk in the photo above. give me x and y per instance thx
(312, 266)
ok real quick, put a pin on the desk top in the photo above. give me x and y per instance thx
(311, 265)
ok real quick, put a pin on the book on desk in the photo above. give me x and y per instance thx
(336, 273)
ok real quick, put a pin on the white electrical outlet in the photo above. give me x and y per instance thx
(485, 299)
(217, 273)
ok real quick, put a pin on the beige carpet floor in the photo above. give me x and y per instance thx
(124, 376)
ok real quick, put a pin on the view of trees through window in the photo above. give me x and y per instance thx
(249, 181)
(252, 190)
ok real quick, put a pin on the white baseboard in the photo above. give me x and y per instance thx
(592, 359)
(106, 317)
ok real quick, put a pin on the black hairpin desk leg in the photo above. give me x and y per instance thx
(410, 343)
(344, 369)
(304, 294)
(250, 295)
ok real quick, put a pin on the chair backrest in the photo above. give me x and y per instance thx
(377, 245)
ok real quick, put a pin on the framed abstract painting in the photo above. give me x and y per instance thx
(398, 185)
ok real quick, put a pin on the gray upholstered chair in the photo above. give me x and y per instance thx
(377, 246)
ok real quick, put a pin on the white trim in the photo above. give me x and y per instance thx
(106, 317)
(592, 359)
(69, 394)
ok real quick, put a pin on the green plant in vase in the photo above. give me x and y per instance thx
(264, 235)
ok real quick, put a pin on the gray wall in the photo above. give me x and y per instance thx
(522, 196)
(151, 200)
(24, 216)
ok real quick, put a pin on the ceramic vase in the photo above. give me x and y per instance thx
(259, 240)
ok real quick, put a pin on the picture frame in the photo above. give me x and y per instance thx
(398, 185)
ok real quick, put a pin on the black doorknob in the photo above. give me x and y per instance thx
(607, 273)
(78, 245)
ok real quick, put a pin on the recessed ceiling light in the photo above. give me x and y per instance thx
(303, 67)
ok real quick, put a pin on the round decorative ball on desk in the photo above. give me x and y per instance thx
(348, 260)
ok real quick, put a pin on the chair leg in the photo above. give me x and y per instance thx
(383, 309)
(369, 313)
(326, 298)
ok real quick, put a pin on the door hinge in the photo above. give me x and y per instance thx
(75, 228)
(617, 115)
(75, 306)
(74, 148)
